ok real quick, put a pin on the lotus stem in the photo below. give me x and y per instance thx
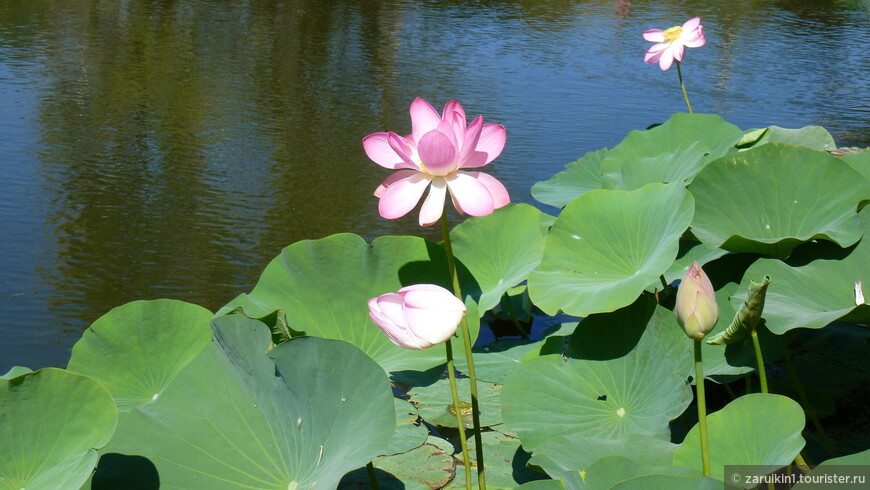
(759, 360)
(702, 409)
(373, 478)
(683, 86)
(457, 409)
(466, 338)
(513, 315)
(802, 394)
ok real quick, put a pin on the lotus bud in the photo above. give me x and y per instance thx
(418, 316)
(696, 308)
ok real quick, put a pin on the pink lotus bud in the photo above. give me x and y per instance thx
(418, 316)
(696, 308)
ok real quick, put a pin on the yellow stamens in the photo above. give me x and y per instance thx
(673, 33)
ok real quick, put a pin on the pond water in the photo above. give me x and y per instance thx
(171, 148)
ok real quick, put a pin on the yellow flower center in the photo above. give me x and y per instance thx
(673, 33)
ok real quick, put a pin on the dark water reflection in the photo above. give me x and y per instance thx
(172, 148)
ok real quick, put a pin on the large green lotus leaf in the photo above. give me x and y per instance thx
(323, 287)
(544, 485)
(810, 296)
(504, 459)
(679, 165)
(859, 467)
(501, 249)
(579, 177)
(671, 482)
(51, 422)
(242, 416)
(860, 162)
(676, 137)
(612, 470)
(815, 137)
(636, 393)
(760, 429)
(607, 246)
(435, 403)
(16, 371)
(769, 199)
(167, 335)
(576, 452)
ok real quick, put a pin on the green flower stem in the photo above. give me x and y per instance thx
(466, 338)
(702, 409)
(373, 479)
(792, 372)
(683, 86)
(759, 360)
(513, 315)
(457, 409)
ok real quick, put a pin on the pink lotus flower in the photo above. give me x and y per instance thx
(696, 308)
(431, 157)
(418, 316)
(671, 42)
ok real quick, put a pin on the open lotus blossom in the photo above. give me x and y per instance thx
(671, 43)
(431, 157)
(418, 316)
(696, 308)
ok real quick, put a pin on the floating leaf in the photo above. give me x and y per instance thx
(435, 403)
(501, 249)
(671, 482)
(768, 200)
(505, 463)
(607, 246)
(323, 286)
(423, 468)
(52, 422)
(410, 433)
(639, 392)
(239, 415)
(747, 317)
(761, 430)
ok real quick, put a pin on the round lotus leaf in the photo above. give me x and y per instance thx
(323, 287)
(769, 199)
(242, 416)
(52, 422)
(762, 430)
(615, 469)
(607, 246)
(501, 249)
(576, 452)
(671, 482)
(638, 392)
(827, 471)
(154, 339)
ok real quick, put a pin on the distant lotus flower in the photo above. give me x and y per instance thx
(432, 156)
(696, 308)
(418, 316)
(670, 43)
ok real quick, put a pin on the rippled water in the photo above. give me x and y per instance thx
(172, 148)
